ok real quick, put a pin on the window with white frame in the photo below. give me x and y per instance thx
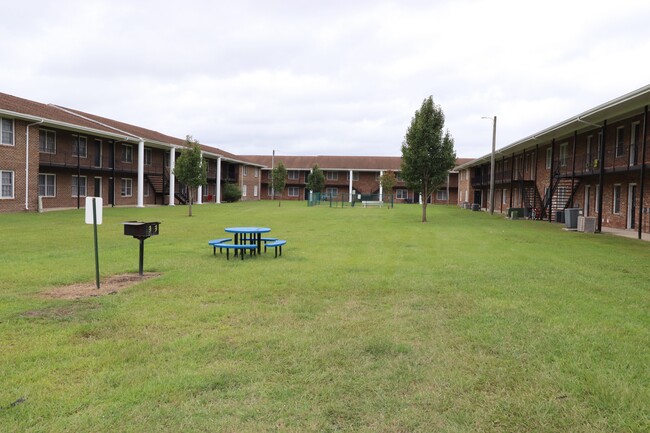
(78, 186)
(145, 189)
(549, 157)
(563, 154)
(257, 172)
(244, 190)
(127, 153)
(355, 175)
(441, 194)
(620, 141)
(293, 175)
(46, 141)
(616, 205)
(147, 156)
(332, 192)
(245, 170)
(6, 184)
(254, 190)
(6, 131)
(80, 147)
(597, 201)
(126, 187)
(46, 185)
(504, 196)
(402, 194)
(294, 191)
(332, 175)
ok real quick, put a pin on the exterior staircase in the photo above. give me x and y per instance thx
(559, 196)
(160, 186)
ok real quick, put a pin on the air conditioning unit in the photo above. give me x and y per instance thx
(587, 224)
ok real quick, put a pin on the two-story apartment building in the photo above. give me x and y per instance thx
(595, 161)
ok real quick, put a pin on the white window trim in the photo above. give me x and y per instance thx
(254, 190)
(13, 185)
(148, 159)
(615, 194)
(127, 153)
(126, 181)
(245, 170)
(13, 132)
(85, 188)
(46, 131)
(402, 194)
(244, 190)
(294, 191)
(54, 184)
(74, 146)
(332, 175)
(293, 175)
(549, 157)
(620, 144)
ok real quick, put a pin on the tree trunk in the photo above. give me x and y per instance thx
(189, 190)
(424, 204)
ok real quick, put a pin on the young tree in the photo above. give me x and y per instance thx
(427, 152)
(279, 179)
(190, 169)
(316, 179)
(387, 182)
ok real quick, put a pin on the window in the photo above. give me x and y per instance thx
(549, 157)
(597, 197)
(270, 174)
(80, 147)
(620, 143)
(257, 172)
(254, 190)
(332, 175)
(504, 196)
(126, 188)
(243, 190)
(398, 176)
(563, 154)
(147, 156)
(78, 186)
(332, 192)
(355, 175)
(127, 153)
(6, 183)
(616, 206)
(634, 139)
(245, 170)
(46, 141)
(589, 157)
(47, 185)
(7, 131)
(402, 194)
(293, 175)
(294, 191)
(145, 191)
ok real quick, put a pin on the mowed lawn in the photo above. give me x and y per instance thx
(370, 321)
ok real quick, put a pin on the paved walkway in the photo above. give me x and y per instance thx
(632, 234)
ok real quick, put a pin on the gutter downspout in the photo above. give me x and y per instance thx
(27, 163)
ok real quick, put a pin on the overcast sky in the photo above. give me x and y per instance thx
(326, 77)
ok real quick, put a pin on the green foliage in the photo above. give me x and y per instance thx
(387, 182)
(189, 168)
(369, 322)
(316, 179)
(427, 152)
(278, 180)
(231, 192)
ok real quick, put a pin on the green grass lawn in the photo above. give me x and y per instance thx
(370, 321)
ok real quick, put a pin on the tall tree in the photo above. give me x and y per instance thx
(190, 168)
(387, 182)
(427, 152)
(316, 179)
(279, 179)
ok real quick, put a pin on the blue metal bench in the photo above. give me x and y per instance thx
(252, 248)
(276, 244)
(215, 243)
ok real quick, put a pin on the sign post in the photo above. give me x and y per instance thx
(94, 217)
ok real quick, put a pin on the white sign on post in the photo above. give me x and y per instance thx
(89, 209)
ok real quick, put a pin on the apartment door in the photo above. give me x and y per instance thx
(98, 154)
(98, 187)
(631, 206)
(587, 200)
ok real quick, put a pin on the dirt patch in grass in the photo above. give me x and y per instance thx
(107, 286)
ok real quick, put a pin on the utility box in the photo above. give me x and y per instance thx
(141, 229)
(571, 217)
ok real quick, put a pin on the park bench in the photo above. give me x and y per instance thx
(367, 203)
(250, 247)
(215, 243)
(277, 243)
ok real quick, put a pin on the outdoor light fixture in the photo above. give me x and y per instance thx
(494, 139)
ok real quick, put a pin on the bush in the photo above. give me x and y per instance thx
(231, 193)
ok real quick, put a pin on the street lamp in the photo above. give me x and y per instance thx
(494, 140)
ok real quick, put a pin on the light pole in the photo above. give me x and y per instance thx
(494, 140)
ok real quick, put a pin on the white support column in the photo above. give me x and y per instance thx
(350, 189)
(381, 189)
(172, 178)
(218, 194)
(199, 190)
(141, 174)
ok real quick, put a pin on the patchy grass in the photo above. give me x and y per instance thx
(370, 321)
